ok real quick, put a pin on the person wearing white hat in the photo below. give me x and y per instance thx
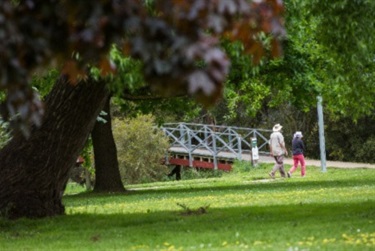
(298, 148)
(277, 150)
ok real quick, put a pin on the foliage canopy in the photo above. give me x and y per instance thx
(177, 41)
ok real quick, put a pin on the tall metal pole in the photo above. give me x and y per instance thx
(321, 135)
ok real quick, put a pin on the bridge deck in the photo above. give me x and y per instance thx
(206, 153)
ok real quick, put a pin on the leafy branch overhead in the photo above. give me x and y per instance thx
(177, 42)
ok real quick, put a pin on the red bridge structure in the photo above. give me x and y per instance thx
(213, 147)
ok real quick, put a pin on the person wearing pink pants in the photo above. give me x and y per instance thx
(298, 148)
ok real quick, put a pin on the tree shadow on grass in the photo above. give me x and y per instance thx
(259, 187)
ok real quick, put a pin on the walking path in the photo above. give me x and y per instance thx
(269, 159)
(311, 162)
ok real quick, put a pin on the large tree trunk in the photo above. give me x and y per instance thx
(106, 165)
(34, 171)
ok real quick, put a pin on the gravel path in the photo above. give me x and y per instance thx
(311, 162)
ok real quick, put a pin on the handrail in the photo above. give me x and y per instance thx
(215, 139)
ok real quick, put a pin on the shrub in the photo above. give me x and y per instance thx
(141, 149)
(365, 152)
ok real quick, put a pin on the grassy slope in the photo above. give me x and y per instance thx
(325, 211)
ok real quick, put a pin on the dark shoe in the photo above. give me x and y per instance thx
(289, 174)
(271, 175)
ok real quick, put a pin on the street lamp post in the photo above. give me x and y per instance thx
(321, 135)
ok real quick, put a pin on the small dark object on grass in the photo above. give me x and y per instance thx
(95, 238)
(198, 211)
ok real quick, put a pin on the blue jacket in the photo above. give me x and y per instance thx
(298, 147)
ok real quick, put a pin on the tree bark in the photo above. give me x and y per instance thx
(34, 171)
(107, 172)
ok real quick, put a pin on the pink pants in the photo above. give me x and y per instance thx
(299, 158)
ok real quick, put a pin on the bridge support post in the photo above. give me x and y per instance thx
(182, 133)
(239, 141)
(189, 145)
(214, 150)
(254, 152)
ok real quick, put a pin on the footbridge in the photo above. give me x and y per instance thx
(213, 146)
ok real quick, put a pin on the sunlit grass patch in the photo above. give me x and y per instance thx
(244, 210)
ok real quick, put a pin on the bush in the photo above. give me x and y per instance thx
(141, 149)
(365, 151)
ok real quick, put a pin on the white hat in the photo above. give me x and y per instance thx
(277, 128)
(298, 134)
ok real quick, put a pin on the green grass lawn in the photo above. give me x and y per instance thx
(241, 210)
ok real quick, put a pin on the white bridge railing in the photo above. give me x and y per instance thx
(215, 141)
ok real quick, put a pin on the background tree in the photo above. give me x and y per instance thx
(284, 89)
(278, 90)
(178, 44)
(331, 46)
(131, 97)
(107, 175)
(38, 175)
